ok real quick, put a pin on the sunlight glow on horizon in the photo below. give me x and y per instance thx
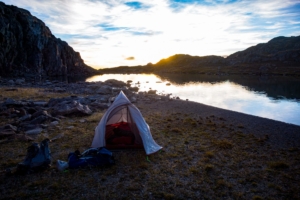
(107, 32)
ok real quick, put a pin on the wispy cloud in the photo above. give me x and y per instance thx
(106, 32)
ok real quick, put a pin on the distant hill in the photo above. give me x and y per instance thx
(280, 56)
(27, 47)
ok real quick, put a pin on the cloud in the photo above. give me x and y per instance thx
(104, 31)
(130, 58)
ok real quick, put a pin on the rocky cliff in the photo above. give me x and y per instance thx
(27, 47)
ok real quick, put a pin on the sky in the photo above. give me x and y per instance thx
(111, 33)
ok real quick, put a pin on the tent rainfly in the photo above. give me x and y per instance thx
(123, 126)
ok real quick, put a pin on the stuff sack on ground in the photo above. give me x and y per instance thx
(90, 157)
(38, 158)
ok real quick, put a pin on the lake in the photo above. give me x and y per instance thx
(270, 97)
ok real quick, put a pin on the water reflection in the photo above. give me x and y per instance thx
(275, 98)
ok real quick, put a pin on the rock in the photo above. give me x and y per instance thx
(165, 97)
(39, 113)
(105, 89)
(23, 112)
(111, 99)
(152, 92)
(133, 100)
(54, 123)
(26, 127)
(59, 89)
(39, 103)
(21, 137)
(25, 117)
(35, 131)
(115, 83)
(97, 105)
(31, 110)
(11, 82)
(73, 108)
(6, 133)
(9, 127)
(57, 137)
(39, 120)
(20, 81)
(134, 89)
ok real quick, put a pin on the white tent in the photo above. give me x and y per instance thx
(123, 111)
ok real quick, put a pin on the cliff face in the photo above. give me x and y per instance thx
(27, 47)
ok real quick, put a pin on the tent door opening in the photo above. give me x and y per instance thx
(121, 131)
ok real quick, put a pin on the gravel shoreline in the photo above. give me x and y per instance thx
(279, 134)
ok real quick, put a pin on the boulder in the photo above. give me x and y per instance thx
(105, 89)
(73, 108)
(35, 131)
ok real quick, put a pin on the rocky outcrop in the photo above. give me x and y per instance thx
(27, 47)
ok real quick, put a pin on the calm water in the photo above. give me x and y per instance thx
(270, 97)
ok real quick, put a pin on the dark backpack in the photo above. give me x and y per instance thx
(90, 157)
(38, 158)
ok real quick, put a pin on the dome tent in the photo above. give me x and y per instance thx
(135, 132)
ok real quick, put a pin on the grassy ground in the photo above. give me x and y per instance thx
(202, 158)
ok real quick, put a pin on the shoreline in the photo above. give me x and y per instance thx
(280, 134)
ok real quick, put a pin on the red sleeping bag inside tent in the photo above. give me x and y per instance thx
(119, 135)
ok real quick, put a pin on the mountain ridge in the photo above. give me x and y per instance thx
(280, 56)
